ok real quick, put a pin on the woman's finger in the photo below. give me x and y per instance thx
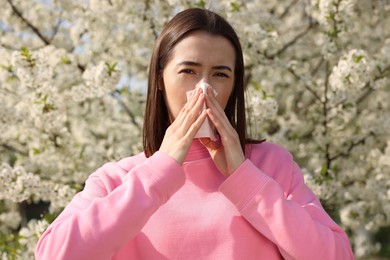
(187, 106)
(179, 134)
(193, 112)
(194, 128)
(221, 125)
(212, 102)
(218, 118)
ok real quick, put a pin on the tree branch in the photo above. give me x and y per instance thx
(370, 89)
(128, 111)
(293, 41)
(351, 146)
(288, 8)
(317, 67)
(152, 25)
(37, 32)
(8, 47)
(306, 86)
(55, 31)
(14, 149)
(30, 25)
(325, 122)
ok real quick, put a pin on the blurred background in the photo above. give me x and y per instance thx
(72, 93)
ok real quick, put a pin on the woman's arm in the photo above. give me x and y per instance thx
(105, 215)
(284, 210)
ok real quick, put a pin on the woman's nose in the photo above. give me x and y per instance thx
(205, 80)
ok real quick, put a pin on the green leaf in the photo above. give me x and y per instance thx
(264, 96)
(348, 78)
(124, 91)
(200, 4)
(48, 107)
(333, 33)
(268, 28)
(235, 6)
(45, 98)
(111, 68)
(357, 58)
(65, 60)
(27, 56)
(256, 85)
(36, 151)
(347, 105)
(9, 244)
(331, 16)
(50, 217)
(324, 171)
(25, 52)
(10, 79)
(7, 68)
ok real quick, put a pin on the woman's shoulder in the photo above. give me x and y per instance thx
(267, 150)
(112, 174)
(271, 158)
(130, 162)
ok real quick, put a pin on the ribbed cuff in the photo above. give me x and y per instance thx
(165, 173)
(241, 187)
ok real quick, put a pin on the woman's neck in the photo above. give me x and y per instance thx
(197, 151)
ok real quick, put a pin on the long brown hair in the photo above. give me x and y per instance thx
(156, 119)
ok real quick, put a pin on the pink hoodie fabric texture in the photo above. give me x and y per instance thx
(153, 208)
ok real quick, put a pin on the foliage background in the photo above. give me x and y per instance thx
(72, 90)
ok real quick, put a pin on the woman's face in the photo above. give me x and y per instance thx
(198, 57)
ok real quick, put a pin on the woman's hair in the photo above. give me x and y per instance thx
(156, 119)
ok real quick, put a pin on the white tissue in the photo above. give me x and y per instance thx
(205, 130)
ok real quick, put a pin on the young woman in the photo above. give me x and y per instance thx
(195, 198)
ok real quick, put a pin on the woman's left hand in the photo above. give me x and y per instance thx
(226, 152)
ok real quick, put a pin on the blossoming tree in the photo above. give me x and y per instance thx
(72, 76)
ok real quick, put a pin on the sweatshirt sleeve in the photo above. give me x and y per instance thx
(286, 211)
(103, 217)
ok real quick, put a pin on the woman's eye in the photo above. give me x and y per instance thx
(221, 74)
(187, 71)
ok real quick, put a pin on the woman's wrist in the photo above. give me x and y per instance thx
(235, 163)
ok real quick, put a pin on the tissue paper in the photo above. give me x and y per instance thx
(206, 129)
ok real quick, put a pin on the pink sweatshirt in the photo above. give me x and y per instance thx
(153, 208)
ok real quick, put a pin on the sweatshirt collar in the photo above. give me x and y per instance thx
(197, 152)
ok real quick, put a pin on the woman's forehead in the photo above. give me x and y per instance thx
(201, 47)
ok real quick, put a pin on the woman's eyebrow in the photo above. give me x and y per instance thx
(197, 64)
(189, 63)
(222, 67)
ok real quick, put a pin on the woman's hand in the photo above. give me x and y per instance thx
(180, 133)
(226, 151)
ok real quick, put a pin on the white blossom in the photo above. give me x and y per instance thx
(98, 81)
(32, 67)
(263, 108)
(29, 237)
(17, 185)
(352, 72)
(11, 219)
(332, 11)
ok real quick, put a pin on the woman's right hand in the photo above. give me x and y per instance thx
(180, 133)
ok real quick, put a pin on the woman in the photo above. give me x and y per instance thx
(186, 198)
